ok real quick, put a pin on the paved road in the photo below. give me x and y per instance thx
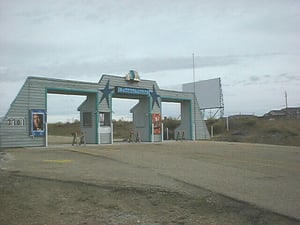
(264, 175)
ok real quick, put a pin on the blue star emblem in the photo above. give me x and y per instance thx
(155, 97)
(106, 92)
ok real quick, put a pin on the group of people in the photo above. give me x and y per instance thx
(80, 136)
(180, 136)
(134, 138)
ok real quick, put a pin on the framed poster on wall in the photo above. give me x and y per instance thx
(37, 122)
(156, 121)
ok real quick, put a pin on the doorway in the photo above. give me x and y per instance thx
(70, 111)
(122, 118)
(63, 117)
(171, 112)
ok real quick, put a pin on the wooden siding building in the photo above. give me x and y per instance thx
(20, 128)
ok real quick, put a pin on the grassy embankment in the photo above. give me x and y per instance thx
(280, 131)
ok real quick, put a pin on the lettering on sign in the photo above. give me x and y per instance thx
(16, 122)
(132, 91)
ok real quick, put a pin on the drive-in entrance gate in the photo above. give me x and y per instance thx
(17, 127)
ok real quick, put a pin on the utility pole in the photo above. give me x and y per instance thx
(194, 124)
(286, 102)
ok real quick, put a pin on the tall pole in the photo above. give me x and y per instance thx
(286, 102)
(194, 84)
(194, 71)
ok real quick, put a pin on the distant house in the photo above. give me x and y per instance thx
(241, 116)
(292, 112)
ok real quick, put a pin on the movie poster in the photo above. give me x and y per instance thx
(37, 122)
(156, 120)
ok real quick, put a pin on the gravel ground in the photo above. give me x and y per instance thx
(129, 184)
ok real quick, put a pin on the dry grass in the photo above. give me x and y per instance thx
(53, 139)
(258, 130)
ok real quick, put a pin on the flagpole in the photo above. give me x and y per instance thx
(194, 71)
(194, 84)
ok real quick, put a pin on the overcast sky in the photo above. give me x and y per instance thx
(252, 45)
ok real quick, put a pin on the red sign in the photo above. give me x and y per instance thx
(156, 120)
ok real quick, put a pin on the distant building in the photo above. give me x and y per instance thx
(292, 112)
(241, 116)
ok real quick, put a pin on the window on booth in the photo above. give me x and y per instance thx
(104, 118)
(87, 119)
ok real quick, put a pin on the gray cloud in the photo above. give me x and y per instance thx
(269, 79)
(254, 78)
(90, 68)
(286, 77)
(85, 68)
